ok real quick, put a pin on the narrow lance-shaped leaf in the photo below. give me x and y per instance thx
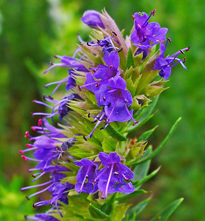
(156, 151)
(115, 134)
(164, 215)
(97, 213)
(140, 182)
(138, 208)
(127, 196)
(130, 61)
(146, 134)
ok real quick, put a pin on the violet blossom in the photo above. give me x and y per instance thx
(146, 35)
(165, 64)
(60, 108)
(86, 176)
(98, 82)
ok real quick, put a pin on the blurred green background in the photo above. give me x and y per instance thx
(32, 31)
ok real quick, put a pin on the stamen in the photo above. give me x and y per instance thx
(181, 52)
(40, 191)
(114, 33)
(39, 185)
(39, 122)
(108, 181)
(79, 87)
(26, 134)
(184, 60)
(86, 176)
(153, 13)
(28, 145)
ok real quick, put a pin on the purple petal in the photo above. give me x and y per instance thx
(114, 157)
(104, 158)
(111, 188)
(165, 72)
(126, 171)
(125, 188)
(162, 34)
(117, 111)
(140, 18)
(152, 28)
(119, 83)
(112, 59)
(160, 62)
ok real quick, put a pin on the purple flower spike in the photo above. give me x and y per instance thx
(86, 176)
(145, 33)
(111, 177)
(165, 64)
(92, 19)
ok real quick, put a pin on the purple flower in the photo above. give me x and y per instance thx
(58, 190)
(98, 82)
(86, 176)
(72, 64)
(145, 33)
(92, 19)
(165, 64)
(60, 107)
(46, 147)
(113, 176)
(116, 101)
(106, 43)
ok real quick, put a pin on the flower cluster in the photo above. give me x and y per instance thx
(109, 179)
(109, 79)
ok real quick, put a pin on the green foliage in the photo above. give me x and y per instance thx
(13, 200)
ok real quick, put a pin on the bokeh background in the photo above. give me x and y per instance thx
(31, 32)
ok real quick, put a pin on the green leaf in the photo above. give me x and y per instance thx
(130, 61)
(164, 215)
(138, 208)
(97, 213)
(140, 182)
(115, 134)
(119, 212)
(109, 144)
(108, 205)
(146, 134)
(156, 151)
(127, 196)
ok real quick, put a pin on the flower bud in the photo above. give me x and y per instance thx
(92, 19)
